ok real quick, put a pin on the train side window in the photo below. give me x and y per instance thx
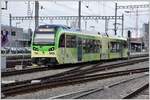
(62, 41)
(115, 47)
(84, 45)
(97, 46)
(87, 46)
(118, 47)
(73, 41)
(125, 44)
(70, 41)
(79, 42)
(91, 46)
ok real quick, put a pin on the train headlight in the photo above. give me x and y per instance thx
(51, 49)
(36, 52)
(35, 49)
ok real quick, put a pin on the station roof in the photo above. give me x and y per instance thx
(117, 37)
(136, 40)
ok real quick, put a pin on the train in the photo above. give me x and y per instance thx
(60, 44)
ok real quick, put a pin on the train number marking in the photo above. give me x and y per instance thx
(51, 53)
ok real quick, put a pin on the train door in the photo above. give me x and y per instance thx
(121, 49)
(79, 49)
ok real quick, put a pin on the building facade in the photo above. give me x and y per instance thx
(14, 37)
(146, 36)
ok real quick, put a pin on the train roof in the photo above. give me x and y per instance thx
(54, 26)
(76, 31)
(117, 37)
(96, 34)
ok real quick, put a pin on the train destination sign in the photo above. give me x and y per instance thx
(46, 30)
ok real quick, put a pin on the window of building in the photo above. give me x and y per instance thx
(13, 33)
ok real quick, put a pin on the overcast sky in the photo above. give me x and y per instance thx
(71, 8)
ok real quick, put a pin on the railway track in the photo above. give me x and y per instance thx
(67, 78)
(13, 63)
(30, 70)
(84, 93)
(141, 93)
(134, 93)
(39, 68)
(84, 69)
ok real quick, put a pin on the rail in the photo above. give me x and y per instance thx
(66, 80)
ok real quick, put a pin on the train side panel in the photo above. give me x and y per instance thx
(115, 49)
(125, 49)
(91, 48)
(105, 49)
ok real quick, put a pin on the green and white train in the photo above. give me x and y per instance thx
(58, 44)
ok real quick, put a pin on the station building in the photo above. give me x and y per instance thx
(146, 36)
(14, 37)
(141, 43)
(137, 44)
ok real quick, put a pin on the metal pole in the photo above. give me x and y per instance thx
(36, 14)
(106, 25)
(10, 25)
(85, 25)
(122, 24)
(137, 23)
(79, 14)
(129, 43)
(115, 26)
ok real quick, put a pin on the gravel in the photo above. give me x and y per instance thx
(143, 95)
(47, 93)
(55, 71)
(129, 67)
(118, 91)
(34, 75)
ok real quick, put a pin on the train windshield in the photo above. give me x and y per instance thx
(44, 36)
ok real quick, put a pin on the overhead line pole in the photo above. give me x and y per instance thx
(122, 24)
(136, 24)
(79, 14)
(36, 14)
(10, 25)
(134, 7)
(106, 25)
(115, 25)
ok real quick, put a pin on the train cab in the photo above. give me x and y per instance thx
(117, 48)
(43, 44)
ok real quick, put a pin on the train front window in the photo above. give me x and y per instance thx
(44, 37)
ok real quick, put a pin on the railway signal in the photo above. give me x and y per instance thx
(5, 8)
(129, 44)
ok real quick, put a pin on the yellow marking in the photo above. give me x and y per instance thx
(43, 54)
